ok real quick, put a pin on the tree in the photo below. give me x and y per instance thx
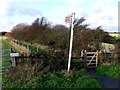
(58, 37)
(38, 29)
(18, 31)
(78, 25)
(60, 27)
(82, 40)
(100, 36)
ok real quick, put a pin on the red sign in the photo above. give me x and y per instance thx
(68, 19)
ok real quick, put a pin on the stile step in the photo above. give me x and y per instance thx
(91, 63)
(91, 67)
(90, 60)
(90, 56)
(90, 52)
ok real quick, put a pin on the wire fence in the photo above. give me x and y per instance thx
(5, 61)
(27, 46)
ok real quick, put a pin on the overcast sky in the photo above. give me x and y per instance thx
(96, 12)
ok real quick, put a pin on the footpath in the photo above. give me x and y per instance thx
(106, 82)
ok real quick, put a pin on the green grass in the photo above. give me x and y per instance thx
(6, 59)
(55, 80)
(109, 70)
(33, 48)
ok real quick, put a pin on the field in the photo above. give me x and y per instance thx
(108, 47)
(115, 35)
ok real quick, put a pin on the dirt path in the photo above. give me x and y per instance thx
(105, 81)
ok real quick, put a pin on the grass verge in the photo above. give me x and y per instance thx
(6, 58)
(109, 70)
(54, 80)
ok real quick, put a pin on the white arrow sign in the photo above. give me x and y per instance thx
(14, 54)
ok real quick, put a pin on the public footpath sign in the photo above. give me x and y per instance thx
(14, 54)
(70, 19)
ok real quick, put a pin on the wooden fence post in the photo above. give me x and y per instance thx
(97, 58)
(13, 58)
(84, 56)
(13, 61)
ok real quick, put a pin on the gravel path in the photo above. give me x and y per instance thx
(105, 81)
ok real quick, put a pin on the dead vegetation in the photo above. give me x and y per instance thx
(42, 64)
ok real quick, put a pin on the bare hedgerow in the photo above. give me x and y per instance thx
(40, 65)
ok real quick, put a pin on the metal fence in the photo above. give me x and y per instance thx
(5, 61)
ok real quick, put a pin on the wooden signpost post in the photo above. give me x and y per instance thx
(13, 55)
(70, 19)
